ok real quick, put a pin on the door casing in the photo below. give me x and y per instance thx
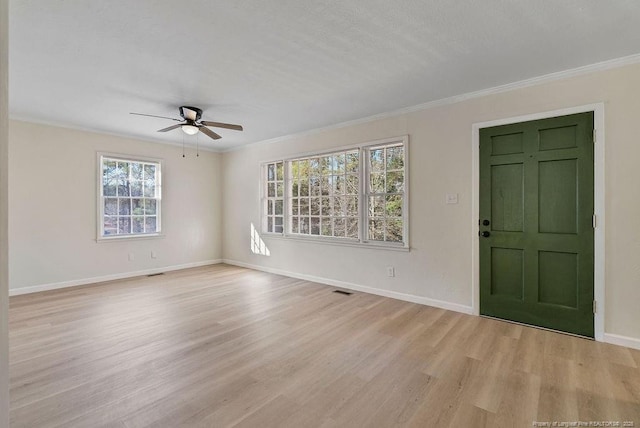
(599, 203)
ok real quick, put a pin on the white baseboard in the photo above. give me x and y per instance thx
(356, 287)
(86, 281)
(616, 339)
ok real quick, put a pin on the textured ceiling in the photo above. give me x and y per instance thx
(288, 66)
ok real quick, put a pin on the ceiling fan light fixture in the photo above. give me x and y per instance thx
(190, 129)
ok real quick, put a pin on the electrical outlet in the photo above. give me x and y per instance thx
(452, 198)
(391, 271)
(131, 257)
(154, 255)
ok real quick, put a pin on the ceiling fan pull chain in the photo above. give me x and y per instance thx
(197, 145)
(183, 145)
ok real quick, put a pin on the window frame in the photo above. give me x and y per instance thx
(100, 157)
(363, 197)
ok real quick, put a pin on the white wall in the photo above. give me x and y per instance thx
(439, 265)
(4, 242)
(52, 200)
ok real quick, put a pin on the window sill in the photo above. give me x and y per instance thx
(129, 237)
(339, 243)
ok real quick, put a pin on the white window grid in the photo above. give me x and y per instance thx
(361, 218)
(386, 193)
(324, 193)
(274, 197)
(130, 197)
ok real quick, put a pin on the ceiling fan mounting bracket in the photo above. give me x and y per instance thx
(185, 115)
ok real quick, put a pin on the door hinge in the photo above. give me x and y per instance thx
(595, 134)
(595, 307)
(594, 221)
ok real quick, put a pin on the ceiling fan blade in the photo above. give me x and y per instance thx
(209, 133)
(222, 125)
(169, 128)
(153, 115)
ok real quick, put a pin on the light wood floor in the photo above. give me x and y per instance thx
(225, 346)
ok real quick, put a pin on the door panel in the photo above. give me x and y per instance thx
(507, 197)
(536, 192)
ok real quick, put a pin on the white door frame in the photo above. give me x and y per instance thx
(599, 205)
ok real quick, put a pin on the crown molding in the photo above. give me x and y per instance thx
(546, 78)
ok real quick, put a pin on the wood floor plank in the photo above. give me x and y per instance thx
(223, 346)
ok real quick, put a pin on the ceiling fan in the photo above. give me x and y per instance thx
(191, 123)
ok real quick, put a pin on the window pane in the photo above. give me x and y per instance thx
(394, 205)
(315, 206)
(136, 188)
(280, 190)
(150, 225)
(304, 206)
(325, 228)
(294, 225)
(295, 188)
(150, 206)
(278, 207)
(137, 225)
(339, 205)
(325, 208)
(110, 225)
(269, 224)
(338, 184)
(110, 206)
(353, 162)
(271, 172)
(304, 187)
(295, 167)
(352, 227)
(124, 225)
(270, 207)
(124, 206)
(315, 225)
(150, 174)
(376, 206)
(394, 230)
(304, 225)
(271, 190)
(109, 178)
(395, 182)
(376, 183)
(352, 205)
(352, 186)
(314, 167)
(123, 179)
(136, 171)
(278, 225)
(339, 163)
(326, 184)
(325, 165)
(376, 230)
(395, 157)
(376, 158)
(150, 188)
(294, 206)
(339, 227)
(314, 186)
(279, 171)
(303, 170)
(137, 206)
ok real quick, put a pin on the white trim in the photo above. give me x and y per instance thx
(599, 203)
(86, 281)
(159, 163)
(79, 128)
(356, 287)
(616, 339)
(545, 78)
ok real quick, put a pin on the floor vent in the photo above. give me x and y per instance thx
(346, 293)
(156, 274)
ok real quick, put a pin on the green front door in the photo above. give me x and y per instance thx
(536, 224)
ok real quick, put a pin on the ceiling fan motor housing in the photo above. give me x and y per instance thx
(184, 112)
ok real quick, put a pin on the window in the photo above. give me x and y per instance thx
(275, 197)
(130, 197)
(356, 195)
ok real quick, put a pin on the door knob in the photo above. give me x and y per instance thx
(486, 222)
(485, 234)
